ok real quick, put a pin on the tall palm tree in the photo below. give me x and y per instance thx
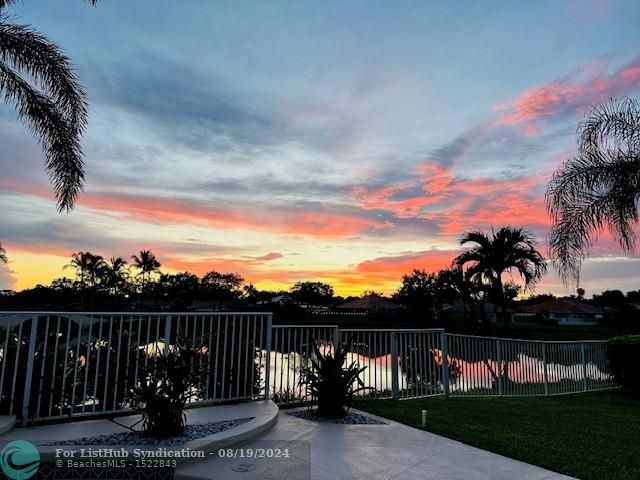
(115, 274)
(598, 188)
(147, 263)
(80, 262)
(88, 269)
(503, 251)
(39, 80)
(3, 254)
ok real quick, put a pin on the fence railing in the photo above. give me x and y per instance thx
(408, 363)
(57, 365)
(510, 367)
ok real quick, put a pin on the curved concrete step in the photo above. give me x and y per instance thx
(264, 413)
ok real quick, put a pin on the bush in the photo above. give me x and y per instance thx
(329, 383)
(623, 355)
(167, 383)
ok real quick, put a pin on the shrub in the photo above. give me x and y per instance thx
(623, 355)
(330, 384)
(167, 383)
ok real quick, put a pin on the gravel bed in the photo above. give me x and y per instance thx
(192, 432)
(349, 419)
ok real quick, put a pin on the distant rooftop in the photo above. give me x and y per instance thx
(561, 305)
(373, 303)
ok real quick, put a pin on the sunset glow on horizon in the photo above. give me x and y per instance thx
(348, 143)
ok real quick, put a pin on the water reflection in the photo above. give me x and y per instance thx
(420, 370)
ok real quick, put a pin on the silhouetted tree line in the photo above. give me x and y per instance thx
(470, 290)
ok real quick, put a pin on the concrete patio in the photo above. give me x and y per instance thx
(322, 451)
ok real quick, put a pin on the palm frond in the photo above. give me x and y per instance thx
(598, 188)
(29, 52)
(58, 137)
(8, 3)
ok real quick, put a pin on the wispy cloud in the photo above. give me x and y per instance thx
(568, 95)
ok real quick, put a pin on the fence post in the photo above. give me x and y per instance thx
(167, 333)
(395, 390)
(445, 364)
(26, 397)
(499, 367)
(336, 339)
(545, 368)
(584, 367)
(267, 368)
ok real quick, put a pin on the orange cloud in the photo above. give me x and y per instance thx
(397, 265)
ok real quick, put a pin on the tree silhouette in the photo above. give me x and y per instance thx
(598, 188)
(89, 268)
(3, 254)
(147, 263)
(115, 275)
(505, 250)
(53, 105)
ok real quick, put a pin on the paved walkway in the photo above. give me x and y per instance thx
(368, 452)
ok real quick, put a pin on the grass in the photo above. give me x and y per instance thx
(588, 436)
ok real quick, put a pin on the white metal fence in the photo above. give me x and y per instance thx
(404, 363)
(500, 366)
(58, 365)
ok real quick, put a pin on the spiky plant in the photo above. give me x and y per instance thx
(166, 384)
(330, 383)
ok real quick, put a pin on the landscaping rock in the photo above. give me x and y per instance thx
(192, 432)
(349, 419)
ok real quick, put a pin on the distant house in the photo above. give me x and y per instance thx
(370, 304)
(564, 311)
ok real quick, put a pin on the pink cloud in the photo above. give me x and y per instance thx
(325, 222)
(568, 95)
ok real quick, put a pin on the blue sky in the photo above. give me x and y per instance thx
(340, 141)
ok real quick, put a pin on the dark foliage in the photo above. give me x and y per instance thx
(623, 356)
(330, 383)
(165, 387)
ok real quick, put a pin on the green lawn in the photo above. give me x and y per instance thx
(588, 436)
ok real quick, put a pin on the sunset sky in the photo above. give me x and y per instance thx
(346, 142)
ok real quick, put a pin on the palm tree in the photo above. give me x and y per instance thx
(506, 250)
(53, 105)
(598, 188)
(453, 285)
(80, 262)
(115, 274)
(88, 269)
(147, 263)
(3, 254)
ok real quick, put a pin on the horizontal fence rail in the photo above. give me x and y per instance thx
(56, 365)
(59, 365)
(501, 366)
(404, 364)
